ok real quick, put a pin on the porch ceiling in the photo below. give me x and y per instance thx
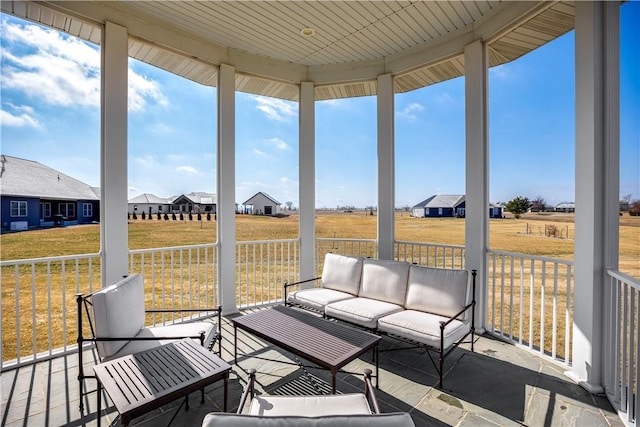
(419, 42)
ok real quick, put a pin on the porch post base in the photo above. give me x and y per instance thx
(591, 388)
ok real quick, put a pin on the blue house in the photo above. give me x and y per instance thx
(448, 206)
(33, 195)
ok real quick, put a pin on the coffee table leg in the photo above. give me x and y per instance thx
(333, 380)
(235, 344)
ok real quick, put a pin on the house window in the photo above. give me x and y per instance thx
(439, 211)
(45, 210)
(67, 210)
(87, 210)
(18, 208)
(159, 208)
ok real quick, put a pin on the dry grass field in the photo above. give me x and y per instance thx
(54, 301)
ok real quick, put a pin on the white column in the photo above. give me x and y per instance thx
(226, 185)
(477, 172)
(307, 178)
(114, 233)
(597, 187)
(386, 169)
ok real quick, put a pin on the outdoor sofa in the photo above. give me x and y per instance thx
(430, 307)
(352, 409)
(116, 317)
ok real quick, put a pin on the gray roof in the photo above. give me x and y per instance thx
(149, 198)
(27, 178)
(198, 197)
(248, 202)
(441, 201)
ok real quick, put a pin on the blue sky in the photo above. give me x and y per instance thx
(50, 113)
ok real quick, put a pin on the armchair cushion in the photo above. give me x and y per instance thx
(423, 328)
(118, 312)
(167, 334)
(342, 273)
(384, 280)
(439, 291)
(394, 419)
(317, 298)
(310, 406)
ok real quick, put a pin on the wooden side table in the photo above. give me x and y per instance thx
(141, 382)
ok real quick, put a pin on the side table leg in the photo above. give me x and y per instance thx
(377, 356)
(334, 372)
(226, 390)
(99, 397)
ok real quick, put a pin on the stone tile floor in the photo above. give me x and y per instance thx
(497, 385)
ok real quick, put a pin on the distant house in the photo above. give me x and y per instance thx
(198, 202)
(262, 204)
(566, 207)
(148, 203)
(448, 206)
(33, 195)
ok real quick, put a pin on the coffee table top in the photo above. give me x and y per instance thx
(153, 377)
(321, 341)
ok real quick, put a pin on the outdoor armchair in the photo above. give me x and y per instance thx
(116, 317)
(318, 410)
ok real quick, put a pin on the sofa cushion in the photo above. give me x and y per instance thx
(341, 273)
(423, 327)
(384, 280)
(310, 406)
(361, 311)
(440, 291)
(118, 311)
(396, 419)
(317, 298)
(165, 335)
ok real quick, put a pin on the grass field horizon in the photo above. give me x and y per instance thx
(527, 235)
(47, 303)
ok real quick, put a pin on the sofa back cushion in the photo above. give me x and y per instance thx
(439, 291)
(393, 419)
(118, 311)
(384, 280)
(342, 273)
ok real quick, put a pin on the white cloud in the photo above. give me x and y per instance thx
(258, 152)
(276, 109)
(445, 99)
(148, 161)
(187, 169)
(410, 112)
(500, 71)
(277, 142)
(287, 181)
(19, 120)
(61, 70)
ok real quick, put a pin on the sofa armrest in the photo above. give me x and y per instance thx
(249, 391)
(287, 285)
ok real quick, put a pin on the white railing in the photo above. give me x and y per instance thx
(178, 277)
(262, 267)
(366, 248)
(530, 302)
(38, 307)
(622, 346)
(431, 254)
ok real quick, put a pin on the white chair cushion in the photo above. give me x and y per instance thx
(440, 291)
(118, 311)
(310, 406)
(423, 327)
(317, 298)
(361, 311)
(171, 333)
(384, 280)
(396, 419)
(342, 273)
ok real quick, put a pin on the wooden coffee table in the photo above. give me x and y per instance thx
(325, 343)
(147, 380)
